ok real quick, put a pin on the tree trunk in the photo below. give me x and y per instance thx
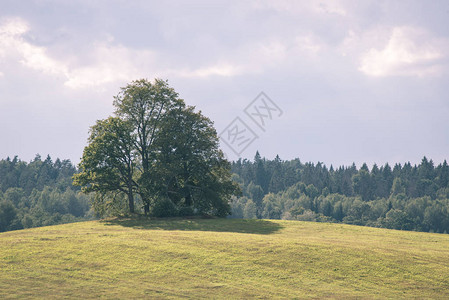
(131, 202)
(188, 199)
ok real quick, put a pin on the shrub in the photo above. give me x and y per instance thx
(164, 208)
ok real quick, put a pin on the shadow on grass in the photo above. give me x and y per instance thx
(197, 224)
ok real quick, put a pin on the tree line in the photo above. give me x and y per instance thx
(158, 156)
(39, 193)
(410, 197)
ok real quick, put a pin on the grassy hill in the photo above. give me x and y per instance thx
(222, 258)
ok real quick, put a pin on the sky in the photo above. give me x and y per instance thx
(330, 81)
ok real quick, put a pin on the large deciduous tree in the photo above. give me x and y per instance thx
(158, 148)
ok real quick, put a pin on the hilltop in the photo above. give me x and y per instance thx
(221, 258)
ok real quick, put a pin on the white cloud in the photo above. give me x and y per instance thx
(273, 50)
(111, 63)
(283, 51)
(108, 62)
(36, 58)
(295, 7)
(330, 7)
(408, 52)
(309, 44)
(13, 27)
(221, 69)
(251, 58)
(349, 43)
(12, 44)
(255, 58)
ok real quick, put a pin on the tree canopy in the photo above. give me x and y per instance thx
(158, 151)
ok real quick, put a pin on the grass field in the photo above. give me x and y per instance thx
(222, 258)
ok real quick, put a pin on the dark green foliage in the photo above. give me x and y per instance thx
(164, 207)
(8, 215)
(363, 184)
(185, 211)
(158, 154)
(406, 197)
(398, 219)
(39, 193)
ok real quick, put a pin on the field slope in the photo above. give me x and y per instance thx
(222, 258)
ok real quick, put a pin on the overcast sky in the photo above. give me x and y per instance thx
(349, 81)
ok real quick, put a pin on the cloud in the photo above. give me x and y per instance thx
(220, 69)
(36, 58)
(309, 44)
(13, 44)
(109, 63)
(255, 58)
(12, 27)
(330, 7)
(408, 52)
(299, 7)
(106, 61)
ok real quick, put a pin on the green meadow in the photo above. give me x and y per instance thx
(222, 258)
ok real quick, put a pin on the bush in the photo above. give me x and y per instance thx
(8, 215)
(185, 211)
(164, 208)
(398, 219)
